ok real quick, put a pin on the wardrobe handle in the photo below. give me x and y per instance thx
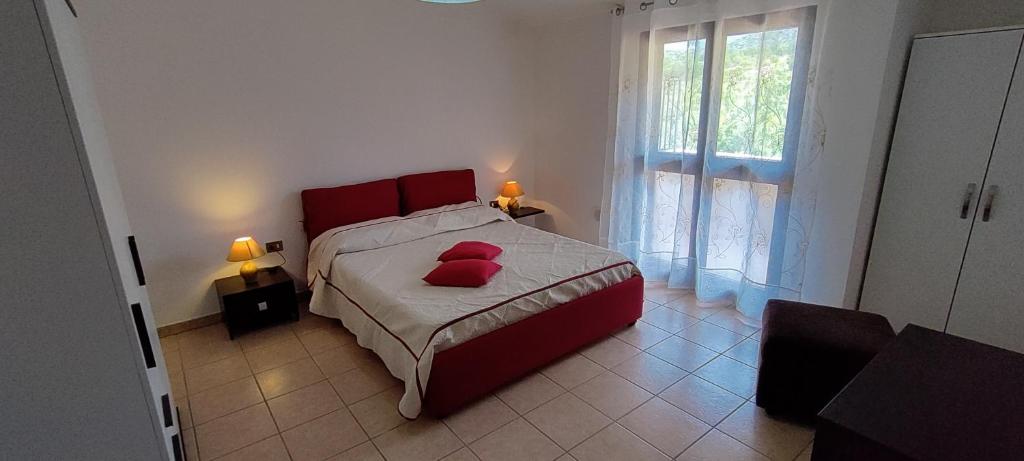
(986, 214)
(968, 195)
(71, 7)
(179, 454)
(165, 402)
(143, 332)
(134, 248)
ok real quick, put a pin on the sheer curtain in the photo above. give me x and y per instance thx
(713, 178)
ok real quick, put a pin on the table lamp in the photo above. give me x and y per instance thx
(512, 191)
(244, 250)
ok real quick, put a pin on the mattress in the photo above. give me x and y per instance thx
(369, 275)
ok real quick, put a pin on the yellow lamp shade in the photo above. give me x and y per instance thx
(511, 190)
(244, 249)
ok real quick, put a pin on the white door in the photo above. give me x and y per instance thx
(952, 100)
(73, 74)
(70, 379)
(989, 301)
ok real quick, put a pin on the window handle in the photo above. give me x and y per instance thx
(986, 213)
(968, 196)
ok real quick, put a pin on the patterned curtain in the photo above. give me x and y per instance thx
(713, 180)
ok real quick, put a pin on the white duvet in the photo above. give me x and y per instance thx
(369, 275)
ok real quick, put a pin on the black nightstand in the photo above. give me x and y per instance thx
(270, 300)
(525, 211)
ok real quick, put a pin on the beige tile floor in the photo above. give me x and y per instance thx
(677, 385)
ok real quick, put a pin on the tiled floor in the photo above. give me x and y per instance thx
(677, 385)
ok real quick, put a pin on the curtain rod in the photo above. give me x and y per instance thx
(620, 9)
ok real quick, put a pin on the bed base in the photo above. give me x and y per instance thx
(473, 369)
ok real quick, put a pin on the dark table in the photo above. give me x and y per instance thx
(928, 396)
(524, 211)
(269, 300)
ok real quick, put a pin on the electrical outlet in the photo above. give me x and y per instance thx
(262, 306)
(275, 246)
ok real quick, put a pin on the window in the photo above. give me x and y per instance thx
(682, 85)
(755, 94)
(728, 98)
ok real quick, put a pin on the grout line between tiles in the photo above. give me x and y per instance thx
(534, 426)
(254, 372)
(468, 445)
(247, 446)
(348, 408)
(195, 427)
(191, 406)
(195, 441)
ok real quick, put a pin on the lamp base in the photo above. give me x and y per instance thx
(513, 204)
(249, 272)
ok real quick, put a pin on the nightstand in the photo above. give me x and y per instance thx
(270, 300)
(525, 211)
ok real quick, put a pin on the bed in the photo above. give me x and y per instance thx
(451, 345)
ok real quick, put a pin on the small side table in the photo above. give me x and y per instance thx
(525, 211)
(268, 301)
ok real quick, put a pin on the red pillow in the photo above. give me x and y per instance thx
(470, 250)
(431, 190)
(330, 207)
(463, 273)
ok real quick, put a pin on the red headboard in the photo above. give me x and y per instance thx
(326, 208)
(331, 207)
(431, 190)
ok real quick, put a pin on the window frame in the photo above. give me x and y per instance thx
(678, 162)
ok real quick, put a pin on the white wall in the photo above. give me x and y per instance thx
(949, 15)
(909, 19)
(219, 113)
(572, 85)
(863, 46)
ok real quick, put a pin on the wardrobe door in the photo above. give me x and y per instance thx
(71, 67)
(989, 301)
(952, 100)
(70, 386)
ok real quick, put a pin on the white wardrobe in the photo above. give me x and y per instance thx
(82, 375)
(948, 248)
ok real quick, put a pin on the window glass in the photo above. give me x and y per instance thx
(740, 234)
(670, 228)
(756, 82)
(682, 85)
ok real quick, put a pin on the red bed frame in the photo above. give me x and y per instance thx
(477, 367)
